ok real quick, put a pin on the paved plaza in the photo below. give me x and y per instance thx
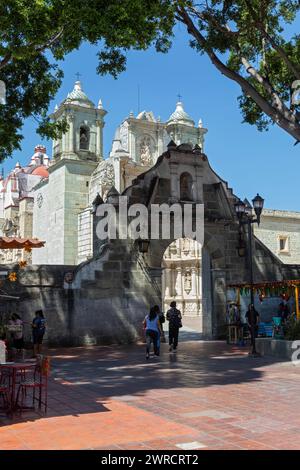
(206, 396)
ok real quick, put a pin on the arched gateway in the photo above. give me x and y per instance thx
(125, 276)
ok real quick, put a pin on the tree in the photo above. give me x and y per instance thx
(244, 39)
(35, 34)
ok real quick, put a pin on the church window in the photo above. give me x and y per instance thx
(186, 183)
(84, 137)
(283, 244)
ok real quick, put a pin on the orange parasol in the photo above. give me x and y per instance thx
(7, 243)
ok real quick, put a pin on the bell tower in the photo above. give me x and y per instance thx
(181, 128)
(66, 192)
(84, 137)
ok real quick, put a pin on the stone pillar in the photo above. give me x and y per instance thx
(175, 190)
(198, 185)
(131, 143)
(219, 301)
(206, 294)
(168, 281)
(194, 291)
(70, 134)
(99, 139)
(179, 292)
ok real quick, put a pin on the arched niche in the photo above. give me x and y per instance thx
(84, 137)
(186, 187)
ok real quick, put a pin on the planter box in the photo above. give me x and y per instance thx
(280, 348)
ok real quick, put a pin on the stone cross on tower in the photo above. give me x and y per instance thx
(78, 75)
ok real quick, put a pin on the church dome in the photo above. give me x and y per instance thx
(40, 171)
(77, 96)
(180, 116)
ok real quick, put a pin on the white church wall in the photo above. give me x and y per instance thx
(40, 224)
(276, 225)
(85, 235)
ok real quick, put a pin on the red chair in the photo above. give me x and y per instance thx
(38, 381)
(4, 392)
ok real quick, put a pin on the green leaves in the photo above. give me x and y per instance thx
(30, 29)
(245, 40)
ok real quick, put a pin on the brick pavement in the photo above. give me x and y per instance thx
(208, 395)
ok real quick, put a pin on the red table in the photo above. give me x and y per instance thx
(13, 368)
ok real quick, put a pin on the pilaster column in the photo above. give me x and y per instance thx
(132, 149)
(168, 282)
(194, 290)
(70, 140)
(179, 282)
(198, 186)
(174, 183)
(99, 139)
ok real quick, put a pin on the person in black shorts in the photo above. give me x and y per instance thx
(38, 331)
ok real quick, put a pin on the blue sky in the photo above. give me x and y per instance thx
(250, 161)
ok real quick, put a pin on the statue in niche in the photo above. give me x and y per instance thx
(188, 282)
(186, 246)
(10, 227)
(145, 152)
(84, 138)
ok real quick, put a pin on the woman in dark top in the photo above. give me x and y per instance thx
(38, 331)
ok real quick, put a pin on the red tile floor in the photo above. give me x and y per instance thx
(207, 396)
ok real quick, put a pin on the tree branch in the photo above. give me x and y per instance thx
(5, 60)
(51, 41)
(277, 102)
(293, 68)
(291, 126)
(210, 19)
(34, 49)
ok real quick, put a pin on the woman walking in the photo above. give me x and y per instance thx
(153, 330)
(38, 331)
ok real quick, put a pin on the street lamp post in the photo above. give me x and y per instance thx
(245, 216)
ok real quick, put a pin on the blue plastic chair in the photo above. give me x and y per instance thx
(277, 328)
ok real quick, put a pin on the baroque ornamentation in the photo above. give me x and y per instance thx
(145, 152)
(106, 174)
(10, 227)
(188, 282)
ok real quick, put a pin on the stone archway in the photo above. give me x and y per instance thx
(182, 278)
(213, 277)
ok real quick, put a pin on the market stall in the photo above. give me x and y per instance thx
(284, 289)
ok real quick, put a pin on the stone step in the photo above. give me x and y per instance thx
(111, 266)
(107, 276)
(98, 285)
(94, 293)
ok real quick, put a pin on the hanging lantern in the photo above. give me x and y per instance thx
(22, 263)
(285, 296)
(27, 249)
(12, 277)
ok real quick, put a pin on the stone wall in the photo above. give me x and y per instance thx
(281, 224)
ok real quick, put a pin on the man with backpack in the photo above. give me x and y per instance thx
(174, 319)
